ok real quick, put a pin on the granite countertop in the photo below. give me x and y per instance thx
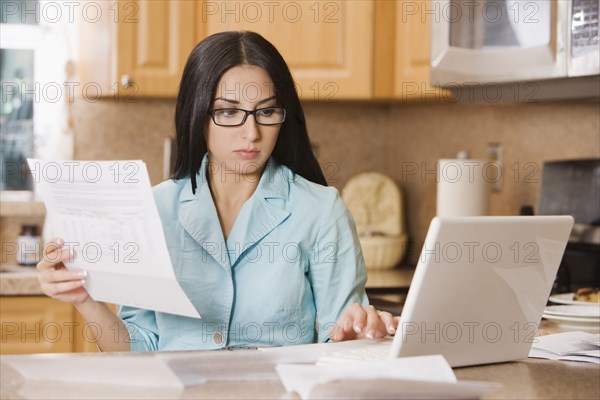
(527, 378)
(16, 280)
(26, 207)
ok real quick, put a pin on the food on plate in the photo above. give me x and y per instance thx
(587, 294)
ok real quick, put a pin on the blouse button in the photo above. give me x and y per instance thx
(218, 338)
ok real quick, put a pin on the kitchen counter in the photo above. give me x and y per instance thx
(528, 378)
(389, 281)
(19, 281)
(25, 208)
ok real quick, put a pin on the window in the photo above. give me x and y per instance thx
(35, 55)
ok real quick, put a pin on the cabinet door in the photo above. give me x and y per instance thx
(412, 49)
(87, 333)
(402, 51)
(327, 44)
(39, 324)
(154, 39)
(36, 324)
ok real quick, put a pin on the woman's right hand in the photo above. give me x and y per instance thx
(55, 279)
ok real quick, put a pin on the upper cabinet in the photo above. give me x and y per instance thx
(327, 44)
(135, 48)
(336, 50)
(402, 51)
(152, 49)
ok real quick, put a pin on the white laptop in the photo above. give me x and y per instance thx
(479, 289)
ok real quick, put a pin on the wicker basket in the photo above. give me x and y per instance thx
(375, 202)
(383, 252)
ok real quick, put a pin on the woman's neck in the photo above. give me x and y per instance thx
(229, 193)
(232, 190)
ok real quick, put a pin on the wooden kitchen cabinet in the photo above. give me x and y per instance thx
(136, 48)
(339, 50)
(327, 44)
(402, 51)
(39, 324)
(336, 50)
(36, 324)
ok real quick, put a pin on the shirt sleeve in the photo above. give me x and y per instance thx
(337, 269)
(142, 328)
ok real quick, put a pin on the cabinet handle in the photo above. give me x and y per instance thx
(126, 81)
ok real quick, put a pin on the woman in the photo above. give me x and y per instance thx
(266, 252)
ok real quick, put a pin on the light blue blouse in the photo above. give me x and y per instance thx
(292, 258)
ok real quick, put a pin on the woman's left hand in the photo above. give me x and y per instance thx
(363, 322)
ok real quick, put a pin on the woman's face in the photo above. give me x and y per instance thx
(243, 149)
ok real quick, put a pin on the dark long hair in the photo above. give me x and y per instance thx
(207, 63)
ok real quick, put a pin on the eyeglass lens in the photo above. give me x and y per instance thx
(236, 116)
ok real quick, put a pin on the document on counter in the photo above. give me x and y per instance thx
(406, 377)
(146, 370)
(571, 346)
(105, 212)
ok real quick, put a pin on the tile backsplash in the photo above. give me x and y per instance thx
(403, 141)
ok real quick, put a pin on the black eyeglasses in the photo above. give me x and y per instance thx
(237, 116)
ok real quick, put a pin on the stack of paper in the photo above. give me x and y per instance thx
(409, 377)
(574, 346)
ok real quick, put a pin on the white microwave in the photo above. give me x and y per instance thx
(482, 41)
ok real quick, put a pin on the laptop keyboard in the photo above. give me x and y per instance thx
(374, 352)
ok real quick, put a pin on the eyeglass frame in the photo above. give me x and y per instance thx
(211, 112)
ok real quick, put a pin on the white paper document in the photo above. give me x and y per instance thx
(407, 377)
(147, 371)
(572, 346)
(105, 212)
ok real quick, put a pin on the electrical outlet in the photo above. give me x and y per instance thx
(495, 155)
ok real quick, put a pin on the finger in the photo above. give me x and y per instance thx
(51, 251)
(359, 319)
(337, 333)
(397, 323)
(54, 259)
(388, 320)
(53, 276)
(52, 245)
(64, 275)
(342, 330)
(375, 327)
(56, 289)
(346, 326)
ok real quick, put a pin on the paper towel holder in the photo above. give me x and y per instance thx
(462, 187)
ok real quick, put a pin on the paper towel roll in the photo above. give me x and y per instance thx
(462, 189)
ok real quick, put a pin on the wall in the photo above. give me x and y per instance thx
(123, 131)
(388, 138)
(529, 135)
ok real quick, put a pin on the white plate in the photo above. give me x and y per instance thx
(574, 324)
(567, 298)
(574, 311)
(589, 321)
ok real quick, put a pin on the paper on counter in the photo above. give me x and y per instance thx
(303, 378)
(402, 389)
(105, 211)
(144, 371)
(572, 346)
